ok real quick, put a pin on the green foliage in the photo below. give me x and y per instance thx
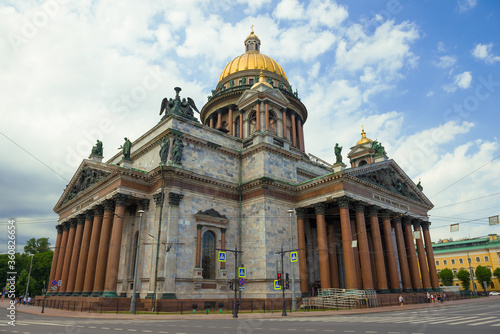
(40, 271)
(35, 246)
(497, 273)
(483, 274)
(464, 277)
(446, 277)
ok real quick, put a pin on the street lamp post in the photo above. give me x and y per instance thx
(294, 299)
(132, 303)
(29, 275)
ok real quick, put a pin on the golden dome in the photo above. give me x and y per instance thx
(363, 139)
(252, 59)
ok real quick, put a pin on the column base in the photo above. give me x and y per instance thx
(68, 293)
(167, 295)
(150, 295)
(86, 293)
(60, 294)
(428, 289)
(396, 290)
(437, 289)
(383, 291)
(77, 294)
(408, 290)
(418, 290)
(48, 294)
(123, 294)
(109, 294)
(96, 294)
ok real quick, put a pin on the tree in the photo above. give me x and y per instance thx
(483, 274)
(35, 246)
(497, 273)
(446, 277)
(464, 277)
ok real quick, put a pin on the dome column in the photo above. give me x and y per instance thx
(241, 123)
(257, 116)
(219, 119)
(211, 124)
(284, 134)
(230, 121)
(301, 135)
(266, 116)
(294, 130)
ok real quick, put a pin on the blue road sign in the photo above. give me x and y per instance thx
(242, 272)
(222, 256)
(54, 282)
(242, 281)
(294, 257)
(277, 285)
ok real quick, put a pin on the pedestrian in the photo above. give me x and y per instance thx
(24, 301)
(428, 297)
(29, 301)
(444, 296)
(401, 301)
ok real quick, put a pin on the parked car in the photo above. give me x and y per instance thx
(494, 293)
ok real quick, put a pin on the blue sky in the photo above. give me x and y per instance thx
(422, 77)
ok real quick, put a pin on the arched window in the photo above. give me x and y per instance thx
(273, 123)
(208, 255)
(237, 127)
(362, 163)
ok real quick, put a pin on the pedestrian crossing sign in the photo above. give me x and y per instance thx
(222, 256)
(277, 285)
(294, 257)
(242, 272)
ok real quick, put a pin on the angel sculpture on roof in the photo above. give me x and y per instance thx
(176, 106)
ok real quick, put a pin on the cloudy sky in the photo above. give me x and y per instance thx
(422, 77)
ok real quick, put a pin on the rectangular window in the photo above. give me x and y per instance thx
(455, 272)
(250, 81)
(452, 261)
(478, 259)
(445, 262)
(461, 261)
(437, 263)
(486, 259)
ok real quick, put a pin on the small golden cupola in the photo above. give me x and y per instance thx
(366, 151)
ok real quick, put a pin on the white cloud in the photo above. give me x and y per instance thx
(429, 93)
(318, 13)
(289, 10)
(466, 5)
(441, 47)
(446, 61)
(462, 80)
(483, 52)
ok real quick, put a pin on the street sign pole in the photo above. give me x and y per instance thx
(282, 281)
(235, 251)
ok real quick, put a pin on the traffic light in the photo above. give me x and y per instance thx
(287, 278)
(287, 286)
(279, 278)
(231, 285)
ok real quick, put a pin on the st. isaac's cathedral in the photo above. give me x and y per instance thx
(239, 178)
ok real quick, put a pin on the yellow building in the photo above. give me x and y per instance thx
(454, 255)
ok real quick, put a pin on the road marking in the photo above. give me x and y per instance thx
(484, 322)
(292, 329)
(370, 331)
(118, 329)
(466, 321)
(437, 321)
(346, 331)
(132, 330)
(146, 331)
(310, 330)
(104, 327)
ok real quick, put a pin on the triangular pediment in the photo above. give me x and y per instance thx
(86, 176)
(251, 95)
(389, 176)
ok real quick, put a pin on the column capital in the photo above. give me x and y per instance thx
(175, 198)
(425, 225)
(417, 223)
(397, 220)
(145, 204)
(98, 210)
(199, 226)
(80, 219)
(109, 205)
(73, 222)
(300, 213)
(89, 214)
(386, 214)
(320, 208)
(121, 199)
(158, 198)
(65, 225)
(132, 208)
(59, 228)
(343, 202)
(373, 210)
(359, 207)
(407, 220)
(223, 230)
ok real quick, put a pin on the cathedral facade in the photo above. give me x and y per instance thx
(239, 179)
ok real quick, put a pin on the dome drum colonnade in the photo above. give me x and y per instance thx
(371, 262)
(87, 252)
(279, 113)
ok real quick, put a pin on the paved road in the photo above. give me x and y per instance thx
(481, 317)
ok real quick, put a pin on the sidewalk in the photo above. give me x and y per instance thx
(50, 312)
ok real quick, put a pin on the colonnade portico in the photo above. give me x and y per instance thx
(375, 231)
(87, 254)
